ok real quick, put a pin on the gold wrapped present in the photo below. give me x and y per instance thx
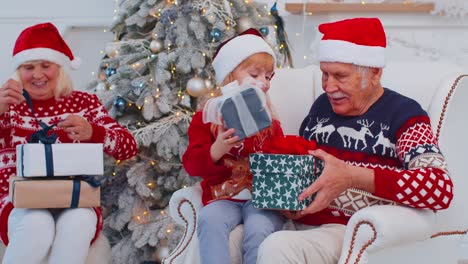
(53, 193)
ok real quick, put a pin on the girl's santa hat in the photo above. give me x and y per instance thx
(360, 41)
(43, 42)
(235, 50)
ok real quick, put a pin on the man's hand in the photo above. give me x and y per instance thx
(334, 180)
(224, 143)
(10, 93)
(77, 128)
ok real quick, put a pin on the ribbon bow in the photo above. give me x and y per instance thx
(43, 134)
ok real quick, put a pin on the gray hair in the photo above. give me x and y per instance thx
(363, 71)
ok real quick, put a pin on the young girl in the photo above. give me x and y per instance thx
(218, 156)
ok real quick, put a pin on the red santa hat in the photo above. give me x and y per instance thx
(235, 50)
(43, 42)
(360, 41)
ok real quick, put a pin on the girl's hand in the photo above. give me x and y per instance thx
(224, 143)
(77, 128)
(10, 93)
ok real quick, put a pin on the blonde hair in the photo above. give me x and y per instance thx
(64, 83)
(262, 58)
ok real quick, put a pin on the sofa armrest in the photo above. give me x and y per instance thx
(377, 227)
(183, 209)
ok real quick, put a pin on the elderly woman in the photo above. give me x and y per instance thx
(40, 56)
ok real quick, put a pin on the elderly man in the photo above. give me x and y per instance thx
(374, 142)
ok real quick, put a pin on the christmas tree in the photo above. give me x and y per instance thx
(150, 80)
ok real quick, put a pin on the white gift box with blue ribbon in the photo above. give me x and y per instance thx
(45, 160)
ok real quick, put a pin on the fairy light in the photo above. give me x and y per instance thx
(152, 163)
(139, 107)
(114, 173)
(117, 162)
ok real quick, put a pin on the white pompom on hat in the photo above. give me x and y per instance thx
(235, 50)
(43, 42)
(360, 41)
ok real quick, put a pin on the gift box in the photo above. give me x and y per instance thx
(53, 193)
(39, 160)
(278, 179)
(246, 113)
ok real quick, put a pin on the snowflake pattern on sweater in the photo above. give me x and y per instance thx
(18, 123)
(393, 137)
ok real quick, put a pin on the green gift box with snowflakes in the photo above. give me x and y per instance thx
(278, 179)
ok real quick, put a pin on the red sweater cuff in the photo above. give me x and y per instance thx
(385, 183)
(99, 132)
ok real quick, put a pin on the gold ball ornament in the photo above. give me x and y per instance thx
(244, 23)
(161, 253)
(196, 86)
(156, 45)
(112, 49)
(209, 84)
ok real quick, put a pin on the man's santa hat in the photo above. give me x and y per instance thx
(235, 50)
(360, 41)
(43, 42)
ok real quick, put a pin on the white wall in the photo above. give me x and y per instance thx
(81, 22)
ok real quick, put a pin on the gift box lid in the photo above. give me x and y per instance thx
(284, 164)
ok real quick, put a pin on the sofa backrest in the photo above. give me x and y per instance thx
(294, 90)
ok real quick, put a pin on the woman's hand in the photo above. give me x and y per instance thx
(77, 128)
(224, 143)
(10, 93)
(336, 178)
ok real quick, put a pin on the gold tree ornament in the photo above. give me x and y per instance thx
(244, 23)
(209, 84)
(161, 253)
(196, 86)
(112, 49)
(156, 45)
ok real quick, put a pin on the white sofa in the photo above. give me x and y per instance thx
(378, 234)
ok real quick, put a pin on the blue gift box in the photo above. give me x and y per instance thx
(245, 113)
